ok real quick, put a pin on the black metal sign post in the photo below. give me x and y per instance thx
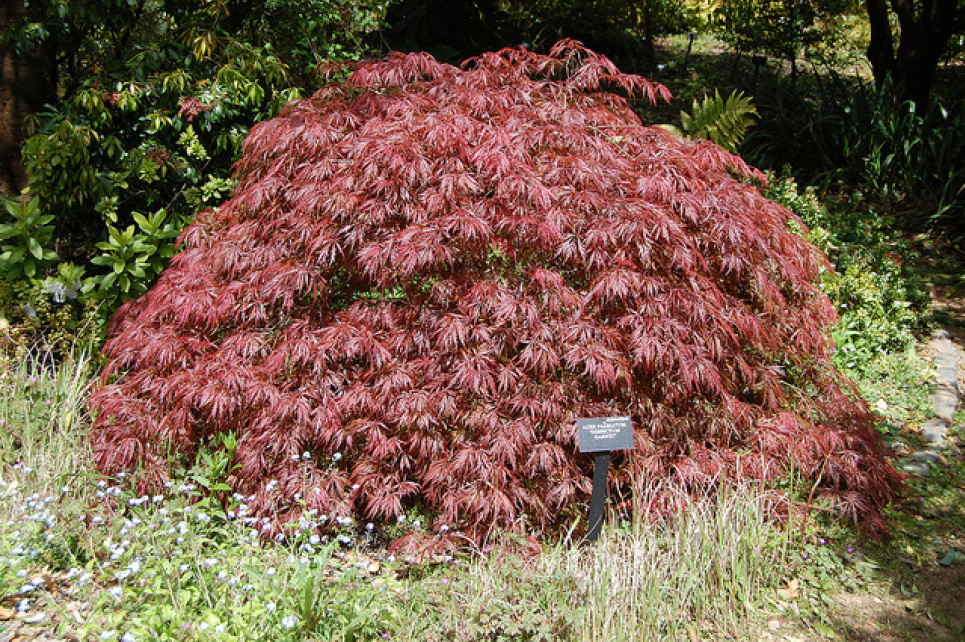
(601, 435)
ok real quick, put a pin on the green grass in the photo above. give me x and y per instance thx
(82, 556)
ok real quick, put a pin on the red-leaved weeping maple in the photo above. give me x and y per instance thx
(426, 275)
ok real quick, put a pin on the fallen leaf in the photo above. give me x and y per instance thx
(908, 592)
(953, 556)
(790, 591)
(6, 614)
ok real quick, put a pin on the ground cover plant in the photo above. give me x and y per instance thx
(427, 273)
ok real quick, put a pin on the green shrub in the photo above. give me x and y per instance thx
(29, 238)
(882, 306)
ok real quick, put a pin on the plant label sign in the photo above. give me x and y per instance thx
(600, 435)
(604, 434)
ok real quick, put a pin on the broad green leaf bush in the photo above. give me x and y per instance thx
(144, 138)
(26, 249)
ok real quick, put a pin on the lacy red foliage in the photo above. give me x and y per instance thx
(434, 271)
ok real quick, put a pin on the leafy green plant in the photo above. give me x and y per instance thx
(722, 120)
(135, 259)
(906, 158)
(29, 240)
(53, 313)
(349, 606)
(782, 29)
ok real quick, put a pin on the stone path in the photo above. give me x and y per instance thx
(945, 402)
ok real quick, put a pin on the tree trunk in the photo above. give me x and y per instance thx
(649, 50)
(27, 83)
(917, 59)
(923, 36)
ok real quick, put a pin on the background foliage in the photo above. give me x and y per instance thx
(155, 102)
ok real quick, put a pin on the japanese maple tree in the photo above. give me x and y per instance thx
(427, 273)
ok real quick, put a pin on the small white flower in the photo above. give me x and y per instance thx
(270, 607)
(289, 621)
(271, 571)
(128, 637)
(108, 635)
(336, 456)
